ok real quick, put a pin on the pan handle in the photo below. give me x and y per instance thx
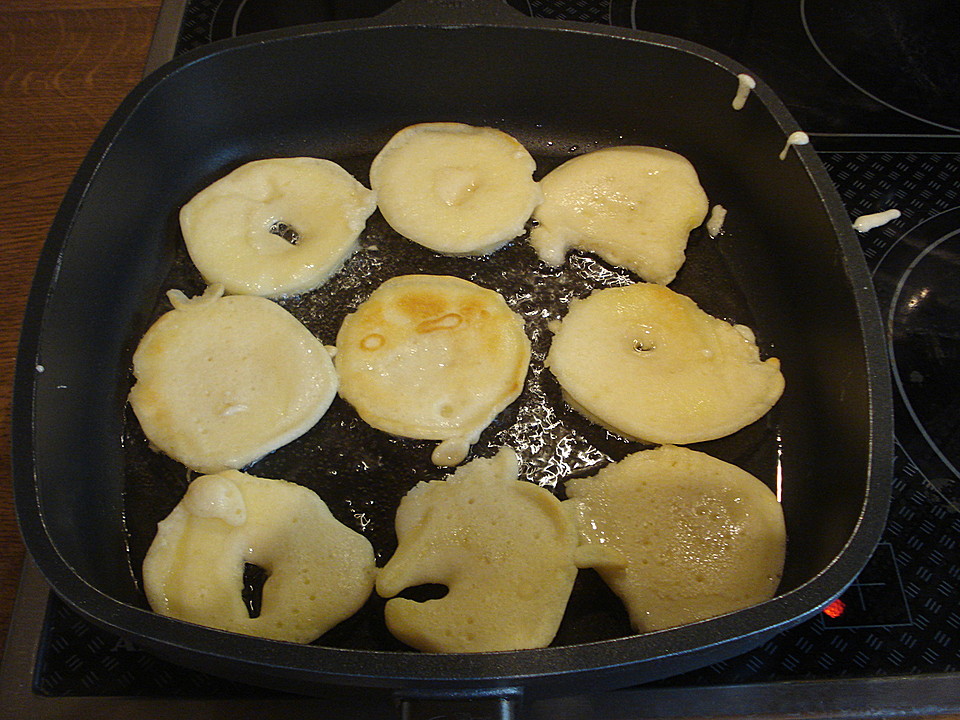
(485, 704)
(452, 12)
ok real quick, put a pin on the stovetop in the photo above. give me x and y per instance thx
(877, 88)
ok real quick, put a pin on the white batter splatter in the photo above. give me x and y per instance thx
(745, 84)
(796, 138)
(874, 220)
(715, 222)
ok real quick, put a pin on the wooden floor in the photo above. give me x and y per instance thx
(64, 67)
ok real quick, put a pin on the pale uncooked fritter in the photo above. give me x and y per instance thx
(647, 363)
(632, 205)
(319, 571)
(276, 227)
(698, 537)
(223, 380)
(432, 357)
(455, 188)
(505, 548)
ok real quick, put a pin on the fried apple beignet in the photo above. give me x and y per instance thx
(223, 380)
(455, 188)
(276, 227)
(505, 548)
(647, 363)
(319, 571)
(432, 357)
(632, 205)
(698, 537)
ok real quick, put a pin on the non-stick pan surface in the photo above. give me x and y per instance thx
(89, 491)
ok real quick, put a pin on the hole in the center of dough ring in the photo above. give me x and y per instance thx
(254, 577)
(287, 232)
(422, 593)
(641, 346)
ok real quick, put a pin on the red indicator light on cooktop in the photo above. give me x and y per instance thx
(835, 609)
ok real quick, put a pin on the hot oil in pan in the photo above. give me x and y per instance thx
(362, 473)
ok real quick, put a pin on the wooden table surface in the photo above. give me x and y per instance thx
(65, 65)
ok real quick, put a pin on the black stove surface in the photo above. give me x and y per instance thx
(877, 87)
(852, 66)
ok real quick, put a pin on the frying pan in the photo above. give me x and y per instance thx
(89, 491)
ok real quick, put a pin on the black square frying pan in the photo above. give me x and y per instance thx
(89, 491)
